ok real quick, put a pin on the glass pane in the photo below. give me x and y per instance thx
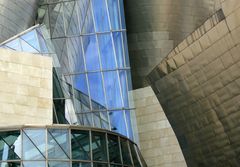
(106, 51)
(97, 119)
(81, 103)
(42, 42)
(58, 164)
(15, 44)
(85, 119)
(34, 147)
(58, 144)
(113, 148)
(99, 148)
(10, 145)
(118, 44)
(125, 152)
(80, 145)
(114, 14)
(82, 6)
(124, 86)
(140, 156)
(125, 49)
(122, 14)
(100, 15)
(75, 54)
(90, 48)
(129, 123)
(80, 84)
(56, 20)
(60, 88)
(99, 165)
(59, 44)
(81, 164)
(10, 164)
(104, 120)
(88, 25)
(27, 48)
(34, 163)
(134, 156)
(118, 123)
(96, 89)
(71, 18)
(31, 39)
(112, 89)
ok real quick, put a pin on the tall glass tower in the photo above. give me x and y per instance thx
(91, 87)
(91, 67)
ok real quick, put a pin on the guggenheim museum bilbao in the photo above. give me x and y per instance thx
(119, 83)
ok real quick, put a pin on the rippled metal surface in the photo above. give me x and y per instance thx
(156, 26)
(16, 16)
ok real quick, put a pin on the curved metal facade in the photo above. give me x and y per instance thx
(16, 16)
(198, 86)
(66, 146)
(156, 26)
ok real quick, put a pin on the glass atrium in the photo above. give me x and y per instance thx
(87, 41)
(65, 146)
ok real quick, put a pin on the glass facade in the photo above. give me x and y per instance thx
(91, 75)
(66, 146)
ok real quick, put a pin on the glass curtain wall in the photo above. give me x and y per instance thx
(66, 147)
(91, 75)
(89, 37)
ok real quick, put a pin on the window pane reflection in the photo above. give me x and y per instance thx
(10, 164)
(99, 147)
(10, 145)
(113, 149)
(90, 48)
(81, 164)
(106, 51)
(34, 144)
(99, 165)
(34, 164)
(80, 145)
(58, 164)
(100, 15)
(58, 144)
(114, 14)
(125, 152)
(134, 156)
(118, 123)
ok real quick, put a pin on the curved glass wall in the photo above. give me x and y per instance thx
(87, 40)
(66, 146)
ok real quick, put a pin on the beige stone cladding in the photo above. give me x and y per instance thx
(158, 143)
(25, 88)
(198, 85)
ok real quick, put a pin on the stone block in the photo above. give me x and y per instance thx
(23, 91)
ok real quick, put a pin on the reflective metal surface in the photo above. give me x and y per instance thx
(198, 86)
(16, 16)
(157, 26)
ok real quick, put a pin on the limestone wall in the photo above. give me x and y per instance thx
(158, 143)
(25, 88)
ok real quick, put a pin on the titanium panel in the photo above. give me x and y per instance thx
(155, 27)
(16, 16)
(198, 86)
